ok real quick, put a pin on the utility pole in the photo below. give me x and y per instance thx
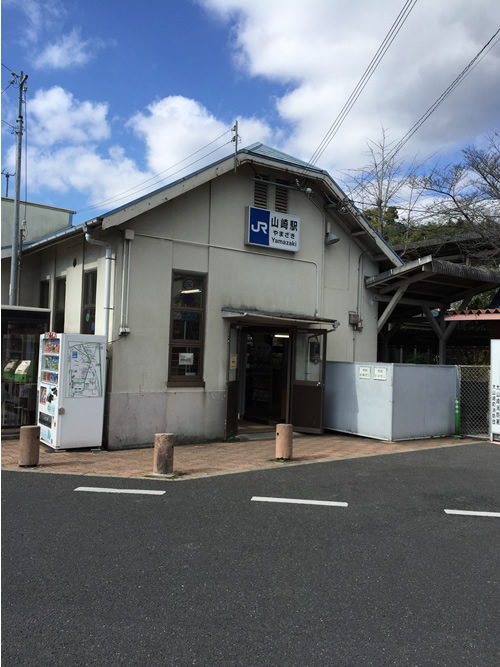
(7, 176)
(235, 140)
(15, 259)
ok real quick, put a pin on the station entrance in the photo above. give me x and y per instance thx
(275, 375)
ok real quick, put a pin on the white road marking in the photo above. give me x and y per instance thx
(296, 501)
(467, 513)
(99, 489)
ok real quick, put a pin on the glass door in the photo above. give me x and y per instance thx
(308, 381)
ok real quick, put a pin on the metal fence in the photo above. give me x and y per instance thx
(474, 400)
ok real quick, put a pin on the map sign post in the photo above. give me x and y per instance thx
(71, 390)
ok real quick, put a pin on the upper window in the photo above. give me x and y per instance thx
(59, 305)
(43, 301)
(186, 329)
(89, 299)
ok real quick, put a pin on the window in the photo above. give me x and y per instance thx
(281, 197)
(89, 298)
(186, 329)
(59, 305)
(260, 193)
(44, 294)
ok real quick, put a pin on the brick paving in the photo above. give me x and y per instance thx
(202, 460)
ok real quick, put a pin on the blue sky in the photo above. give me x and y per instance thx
(121, 92)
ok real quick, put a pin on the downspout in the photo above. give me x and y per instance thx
(107, 279)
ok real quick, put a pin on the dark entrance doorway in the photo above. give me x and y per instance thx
(266, 375)
(275, 375)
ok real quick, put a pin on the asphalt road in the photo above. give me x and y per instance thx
(203, 575)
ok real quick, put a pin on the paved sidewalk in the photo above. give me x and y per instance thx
(201, 460)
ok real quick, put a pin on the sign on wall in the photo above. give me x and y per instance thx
(271, 229)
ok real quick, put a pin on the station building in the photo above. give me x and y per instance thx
(222, 296)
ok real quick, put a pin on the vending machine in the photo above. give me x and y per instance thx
(495, 391)
(71, 390)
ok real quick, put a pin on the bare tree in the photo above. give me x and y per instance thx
(386, 188)
(466, 198)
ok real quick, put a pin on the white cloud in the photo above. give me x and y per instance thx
(64, 153)
(175, 127)
(83, 169)
(57, 117)
(69, 51)
(40, 15)
(320, 50)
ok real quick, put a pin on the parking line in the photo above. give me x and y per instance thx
(99, 489)
(297, 501)
(468, 513)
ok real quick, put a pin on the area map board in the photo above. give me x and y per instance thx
(85, 370)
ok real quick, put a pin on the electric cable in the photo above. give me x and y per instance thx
(457, 81)
(136, 189)
(465, 72)
(11, 126)
(377, 58)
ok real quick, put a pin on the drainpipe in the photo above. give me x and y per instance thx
(107, 279)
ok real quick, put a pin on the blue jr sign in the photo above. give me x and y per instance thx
(271, 229)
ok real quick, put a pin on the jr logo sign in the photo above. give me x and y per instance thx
(258, 228)
(280, 231)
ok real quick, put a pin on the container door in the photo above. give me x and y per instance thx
(232, 384)
(308, 381)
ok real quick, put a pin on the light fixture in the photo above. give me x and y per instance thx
(281, 335)
(190, 291)
(330, 237)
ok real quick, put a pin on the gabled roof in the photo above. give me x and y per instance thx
(338, 206)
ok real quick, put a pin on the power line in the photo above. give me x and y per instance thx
(442, 97)
(136, 189)
(377, 58)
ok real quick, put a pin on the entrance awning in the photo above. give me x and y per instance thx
(265, 318)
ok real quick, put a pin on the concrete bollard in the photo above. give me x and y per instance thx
(29, 446)
(163, 464)
(284, 441)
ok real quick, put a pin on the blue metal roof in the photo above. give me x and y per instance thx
(267, 151)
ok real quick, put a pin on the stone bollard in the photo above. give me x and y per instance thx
(29, 446)
(284, 441)
(163, 464)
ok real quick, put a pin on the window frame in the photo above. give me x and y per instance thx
(90, 305)
(61, 280)
(183, 380)
(44, 294)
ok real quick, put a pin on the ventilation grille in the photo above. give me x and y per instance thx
(281, 202)
(260, 194)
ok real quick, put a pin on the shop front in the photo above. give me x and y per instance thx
(21, 329)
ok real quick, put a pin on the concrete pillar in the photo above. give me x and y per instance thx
(29, 446)
(164, 454)
(284, 441)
